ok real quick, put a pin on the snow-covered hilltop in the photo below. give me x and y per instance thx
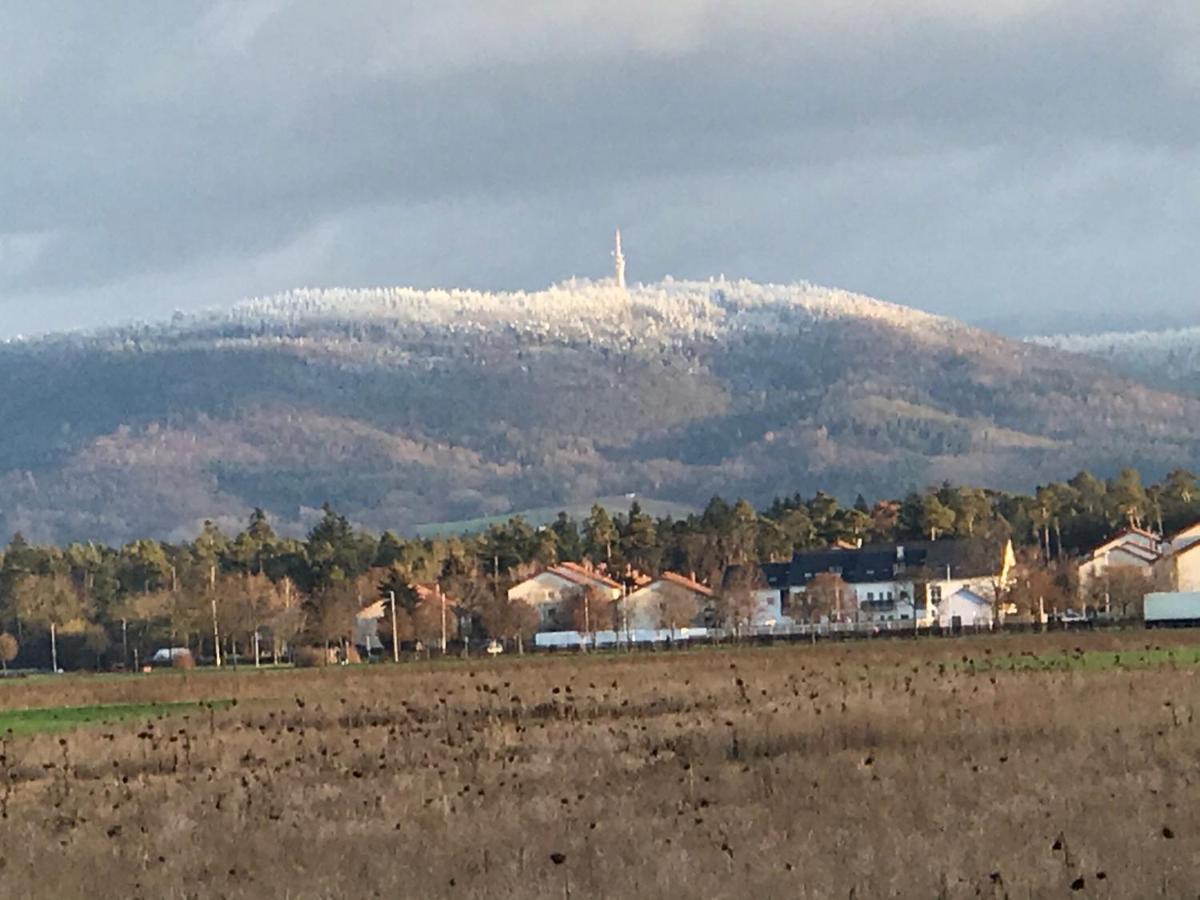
(684, 308)
(1170, 355)
(666, 312)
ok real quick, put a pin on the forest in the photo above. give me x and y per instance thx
(411, 409)
(220, 593)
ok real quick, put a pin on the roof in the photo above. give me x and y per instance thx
(1120, 540)
(1140, 552)
(1186, 548)
(971, 597)
(427, 593)
(577, 574)
(683, 581)
(967, 558)
(574, 571)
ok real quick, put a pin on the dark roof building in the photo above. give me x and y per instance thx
(908, 561)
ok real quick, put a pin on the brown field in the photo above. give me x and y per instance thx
(888, 769)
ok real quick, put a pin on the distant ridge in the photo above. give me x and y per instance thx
(1169, 356)
(403, 406)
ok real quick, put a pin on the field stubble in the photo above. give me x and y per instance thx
(911, 769)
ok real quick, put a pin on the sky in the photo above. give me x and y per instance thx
(1029, 165)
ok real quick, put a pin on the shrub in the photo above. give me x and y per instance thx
(310, 657)
(8, 649)
(183, 659)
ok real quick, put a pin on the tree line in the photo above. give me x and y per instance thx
(258, 592)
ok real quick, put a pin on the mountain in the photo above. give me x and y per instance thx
(1168, 357)
(404, 407)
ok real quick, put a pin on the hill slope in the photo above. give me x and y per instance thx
(404, 407)
(1169, 357)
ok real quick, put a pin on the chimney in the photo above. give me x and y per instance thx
(899, 553)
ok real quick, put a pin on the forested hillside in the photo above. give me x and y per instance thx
(405, 407)
(1170, 357)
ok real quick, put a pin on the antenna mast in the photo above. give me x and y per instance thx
(619, 261)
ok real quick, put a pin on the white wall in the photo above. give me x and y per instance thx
(970, 612)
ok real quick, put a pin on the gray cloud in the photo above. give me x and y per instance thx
(1023, 163)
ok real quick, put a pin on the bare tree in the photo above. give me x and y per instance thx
(677, 608)
(509, 619)
(1123, 590)
(739, 605)
(588, 610)
(9, 648)
(827, 596)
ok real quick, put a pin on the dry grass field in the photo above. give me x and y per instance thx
(939, 768)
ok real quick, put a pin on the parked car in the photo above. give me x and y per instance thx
(1072, 618)
(170, 656)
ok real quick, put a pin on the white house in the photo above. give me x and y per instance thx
(547, 590)
(966, 608)
(670, 601)
(1132, 548)
(882, 583)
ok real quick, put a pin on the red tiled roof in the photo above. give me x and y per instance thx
(427, 592)
(689, 583)
(580, 572)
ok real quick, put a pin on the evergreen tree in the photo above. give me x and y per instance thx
(570, 545)
(599, 534)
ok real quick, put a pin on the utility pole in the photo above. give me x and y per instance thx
(53, 649)
(438, 589)
(124, 642)
(212, 594)
(587, 616)
(395, 639)
(216, 633)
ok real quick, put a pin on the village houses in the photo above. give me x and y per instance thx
(948, 582)
(1167, 564)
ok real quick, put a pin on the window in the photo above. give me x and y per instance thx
(870, 596)
(935, 593)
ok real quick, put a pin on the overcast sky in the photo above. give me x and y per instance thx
(1024, 163)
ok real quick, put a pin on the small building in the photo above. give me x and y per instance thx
(965, 608)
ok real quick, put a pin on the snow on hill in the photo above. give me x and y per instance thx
(665, 312)
(1169, 355)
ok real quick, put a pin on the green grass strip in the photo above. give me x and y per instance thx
(47, 720)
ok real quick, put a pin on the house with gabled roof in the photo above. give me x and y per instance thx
(547, 590)
(671, 602)
(965, 609)
(1133, 548)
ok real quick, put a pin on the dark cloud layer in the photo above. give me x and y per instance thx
(1025, 163)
